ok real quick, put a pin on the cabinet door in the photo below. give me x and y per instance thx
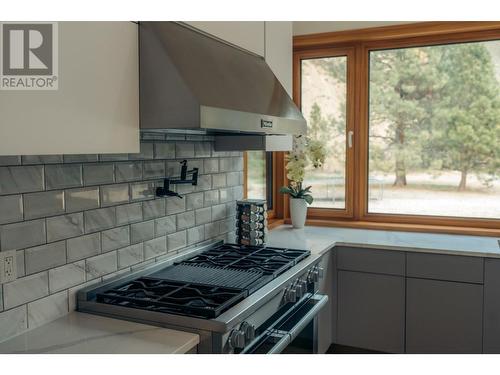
(248, 35)
(491, 329)
(279, 51)
(443, 317)
(371, 311)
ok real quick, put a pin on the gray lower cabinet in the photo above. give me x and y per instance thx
(491, 328)
(443, 316)
(371, 311)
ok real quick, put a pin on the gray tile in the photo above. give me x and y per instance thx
(101, 265)
(83, 247)
(227, 225)
(143, 265)
(97, 174)
(20, 264)
(67, 276)
(218, 212)
(204, 182)
(142, 191)
(11, 208)
(22, 235)
(203, 215)
(237, 193)
(43, 204)
(175, 205)
(1, 300)
(173, 168)
(115, 238)
(47, 309)
(140, 232)
(81, 158)
(114, 194)
(100, 219)
(165, 150)
(154, 169)
(42, 159)
(202, 149)
(196, 163)
(165, 225)
(146, 152)
(116, 274)
(62, 227)
(176, 241)
(194, 201)
(128, 213)
(156, 247)
(211, 197)
(185, 220)
(130, 255)
(184, 150)
(154, 208)
(226, 195)
(233, 178)
(13, 322)
(211, 230)
(113, 157)
(10, 160)
(225, 164)
(24, 179)
(195, 235)
(63, 176)
(72, 292)
(129, 171)
(43, 257)
(219, 180)
(81, 199)
(25, 290)
(211, 165)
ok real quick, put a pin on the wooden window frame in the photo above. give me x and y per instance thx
(359, 43)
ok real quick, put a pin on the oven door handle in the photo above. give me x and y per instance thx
(309, 316)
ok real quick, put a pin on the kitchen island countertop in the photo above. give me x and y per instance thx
(80, 333)
(322, 239)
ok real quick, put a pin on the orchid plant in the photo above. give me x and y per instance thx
(305, 152)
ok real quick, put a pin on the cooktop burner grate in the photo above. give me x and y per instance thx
(271, 261)
(206, 301)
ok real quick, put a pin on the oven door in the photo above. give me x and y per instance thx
(295, 331)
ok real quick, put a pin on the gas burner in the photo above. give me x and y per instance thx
(174, 297)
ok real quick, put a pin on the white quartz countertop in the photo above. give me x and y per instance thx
(321, 239)
(80, 333)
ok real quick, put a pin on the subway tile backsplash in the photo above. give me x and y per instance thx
(76, 220)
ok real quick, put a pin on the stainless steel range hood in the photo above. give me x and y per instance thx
(189, 80)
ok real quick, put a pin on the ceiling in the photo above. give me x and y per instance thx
(313, 27)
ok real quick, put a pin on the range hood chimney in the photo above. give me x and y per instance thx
(192, 81)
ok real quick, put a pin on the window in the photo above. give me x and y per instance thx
(434, 130)
(323, 103)
(411, 117)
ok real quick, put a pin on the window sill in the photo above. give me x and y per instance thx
(400, 227)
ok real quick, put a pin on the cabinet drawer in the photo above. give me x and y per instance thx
(371, 260)
(445, 267)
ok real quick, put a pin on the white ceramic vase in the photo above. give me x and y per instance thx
(298, 212)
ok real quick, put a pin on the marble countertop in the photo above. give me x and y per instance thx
(80, 333)
(322, 239)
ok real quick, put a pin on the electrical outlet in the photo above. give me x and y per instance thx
(8, 266)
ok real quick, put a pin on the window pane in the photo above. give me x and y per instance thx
(256, 174)
(434, 130)
(323, 100)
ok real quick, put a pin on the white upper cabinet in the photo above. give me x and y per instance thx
(95, 108)
(272, 40)
(279, 51)
(248, 35)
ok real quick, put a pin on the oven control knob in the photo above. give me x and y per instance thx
(299, 287)
(237, 339)
(249, 331)
(320, 271)
(304, 286)
(313, 276)
(290, 294)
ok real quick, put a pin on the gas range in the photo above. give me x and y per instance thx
(232, 295)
